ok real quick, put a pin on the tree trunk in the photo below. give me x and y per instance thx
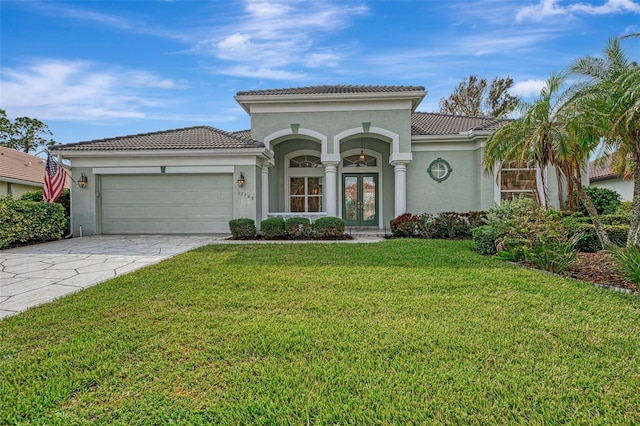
(632, 238)
(559, 178)
(593, 213)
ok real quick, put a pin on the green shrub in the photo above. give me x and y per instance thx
(425, 226)
(242, 228)
(605, 200)
(588, 239)
(629, 261)
(624, 209)
(405, 225)
(25, 222)
(477, 218)
(64, 199)
(452, 225)
(329, 227)
(551, 253)
(297, 226)
(273, 227)
(484, 240)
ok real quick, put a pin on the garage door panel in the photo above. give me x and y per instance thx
(166, 203)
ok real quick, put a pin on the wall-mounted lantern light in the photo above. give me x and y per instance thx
(241, 180)
(83, 181)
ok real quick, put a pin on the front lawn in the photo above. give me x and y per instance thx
(402, 332)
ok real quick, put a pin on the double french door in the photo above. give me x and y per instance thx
(360, 199)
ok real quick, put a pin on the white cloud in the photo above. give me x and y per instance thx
(527, 88)
(610, 7)
(79, 90)
(271, 37)
(549, 8)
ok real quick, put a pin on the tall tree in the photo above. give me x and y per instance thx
(610, 93)
(545, 134)
(24, 133)
(475, 98)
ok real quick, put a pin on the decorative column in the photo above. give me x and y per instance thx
(265, 190)
(331, 187)
(400, 175)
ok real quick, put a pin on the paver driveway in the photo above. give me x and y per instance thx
(33, 275)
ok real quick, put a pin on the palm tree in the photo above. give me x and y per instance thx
(528, 141)
(549, 132)
(610, 95)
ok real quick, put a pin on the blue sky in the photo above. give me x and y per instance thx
(95, 69)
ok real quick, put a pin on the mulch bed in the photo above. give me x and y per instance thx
(599, 268)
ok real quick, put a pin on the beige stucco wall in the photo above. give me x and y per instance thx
(16, 189)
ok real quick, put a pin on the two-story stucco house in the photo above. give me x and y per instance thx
(361, 153)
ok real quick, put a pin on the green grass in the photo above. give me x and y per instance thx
(399, 332)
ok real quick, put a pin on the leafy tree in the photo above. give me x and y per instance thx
(24, 133)
(475, 98)
(610, 94)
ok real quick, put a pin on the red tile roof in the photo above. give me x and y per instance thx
(22, 167)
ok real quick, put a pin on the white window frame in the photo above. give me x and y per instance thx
(498, 179)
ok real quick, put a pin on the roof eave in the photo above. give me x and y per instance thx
(416, 97)
(161, 152)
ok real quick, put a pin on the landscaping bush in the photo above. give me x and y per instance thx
(425, 226)
(552, 253)
(629, 261)
(605, 200)
(452, 225)
(624, 209)
(242, 228)
(405, 225)
(329, 227)
(484, 240)
(477, 218)
(297, 227)
(25, 222)
(64, 199)
(588, 239)
(273, 227)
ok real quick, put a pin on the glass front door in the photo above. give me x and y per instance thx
(360, 199)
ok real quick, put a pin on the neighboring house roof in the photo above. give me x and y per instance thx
(329, 90)
(201, 137)
(23, 168)
(602, 169)
(428, 123)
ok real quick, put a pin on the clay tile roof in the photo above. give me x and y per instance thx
(427, 123)
(201, 137)
(599, 170)
(336, 89)
(22, 167)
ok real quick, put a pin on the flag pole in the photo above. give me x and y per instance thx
(68, 173)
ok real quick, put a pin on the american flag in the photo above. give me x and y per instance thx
(54, 177)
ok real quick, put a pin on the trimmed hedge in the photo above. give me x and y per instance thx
(273, 227)
(589, 241)
(297, 227)
(27, 222)
(242, 228)
(329, 227)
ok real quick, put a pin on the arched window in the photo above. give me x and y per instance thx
(361, 160)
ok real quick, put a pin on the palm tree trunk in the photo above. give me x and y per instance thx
(602, 234)
(632, 238)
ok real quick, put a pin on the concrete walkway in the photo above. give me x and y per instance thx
(37, 274)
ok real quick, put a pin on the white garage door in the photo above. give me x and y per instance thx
(166, 204)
